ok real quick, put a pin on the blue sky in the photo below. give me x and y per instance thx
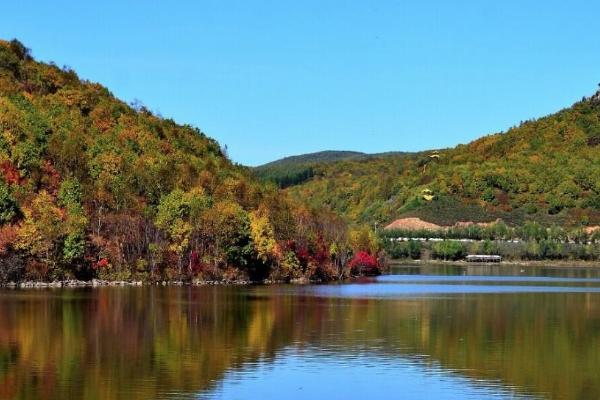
(277, 78)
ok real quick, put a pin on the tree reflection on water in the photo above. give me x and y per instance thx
(141, 343)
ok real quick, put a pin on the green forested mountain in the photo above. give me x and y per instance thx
(294, 170)
(91, 186)
(546, 170)
(320, 156)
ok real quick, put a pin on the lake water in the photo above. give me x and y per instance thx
(420, 333)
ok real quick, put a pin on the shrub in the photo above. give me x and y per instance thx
(489, 247)
(449, 250)
(289, 268)
(544, 249)
(409, 249)
(396, 250)
(551, 250)
(533, 231)
(364, 264)
(12, 267)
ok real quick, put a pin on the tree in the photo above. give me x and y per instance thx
(261, 232)
(533, 231)
(70, 197)
(364, 239)
(449, 250)
(172, 217)
(9, 209)
(364, 264)
(290, 267)
(42, 229)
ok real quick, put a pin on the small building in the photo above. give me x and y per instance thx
(483, 258)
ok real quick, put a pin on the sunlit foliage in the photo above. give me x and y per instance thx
(91, 186)
(546, 170)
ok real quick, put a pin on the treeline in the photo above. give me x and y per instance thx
(93, 187)
(530, 231)
(453, 250)
(532, 241)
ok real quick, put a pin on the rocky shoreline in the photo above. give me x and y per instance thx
(104, 283)
(73, 283)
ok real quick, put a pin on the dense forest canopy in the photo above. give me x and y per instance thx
(547, 170)
(294, 170)
(93, 187)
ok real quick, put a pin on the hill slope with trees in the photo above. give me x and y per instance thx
(294, 170)
(547, 170)
(93, 187)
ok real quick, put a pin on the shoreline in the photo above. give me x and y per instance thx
(73, 283)
(97, 283)
(520, 263)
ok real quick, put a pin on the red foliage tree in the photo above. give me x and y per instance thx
(321, 254)
(51, 178)
(10, 173)
(103, 263)
(303, 255)
(196, 264)
(364, 264)
(8, 236)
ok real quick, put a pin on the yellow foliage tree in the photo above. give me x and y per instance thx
(364, 239)
(42, 228)
(262, 235)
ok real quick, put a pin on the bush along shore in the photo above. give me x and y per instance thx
(538, 244)
(530, 242)
(454, 250)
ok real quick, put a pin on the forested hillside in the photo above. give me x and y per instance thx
(546, 170)
(320, 156)
(93, 187)
(294, 170)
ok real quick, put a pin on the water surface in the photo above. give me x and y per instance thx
(438, 333)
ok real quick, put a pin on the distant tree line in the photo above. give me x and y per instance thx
(531, 230)
(529, 242)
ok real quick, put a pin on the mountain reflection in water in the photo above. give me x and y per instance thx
(471, 337)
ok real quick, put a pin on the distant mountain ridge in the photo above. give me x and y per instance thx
(293, 170)
(320, 156)
(326, 156)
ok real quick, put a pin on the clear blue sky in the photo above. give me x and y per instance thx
(276, 78)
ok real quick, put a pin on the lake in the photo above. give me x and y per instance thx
(419, 333)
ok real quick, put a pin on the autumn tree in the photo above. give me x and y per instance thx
(42, 230)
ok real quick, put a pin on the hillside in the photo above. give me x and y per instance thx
(93, 187)
(320, 156)
(546, 170)
(297, 169)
